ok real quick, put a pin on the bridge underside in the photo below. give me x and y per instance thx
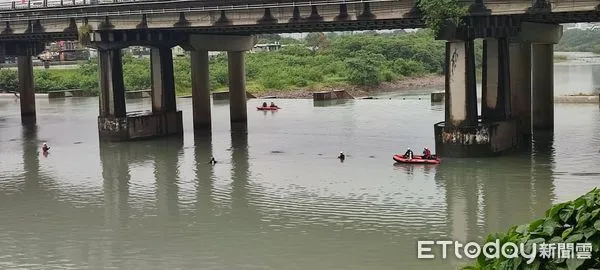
(68, 22)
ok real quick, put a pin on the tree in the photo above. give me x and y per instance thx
(436, 12)
(9, 80)
(365, 69)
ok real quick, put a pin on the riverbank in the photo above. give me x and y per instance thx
(359, 91)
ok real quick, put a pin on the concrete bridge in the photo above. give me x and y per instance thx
(519, 37)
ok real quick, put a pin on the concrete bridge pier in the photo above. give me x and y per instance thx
(508, 91)
(543, 86)
(168, 121)
(238, 110)
(200, 90)
(464, 134)
(112, 121)
(542, 38)
(520, 86)
(26, 89)
(461, 109)
(163, 83)
(235, 46)
(495, 103)
(499, 128)
(112, 87)
(461, 101)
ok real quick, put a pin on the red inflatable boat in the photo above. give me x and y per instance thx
(267, 108)
(417, 159)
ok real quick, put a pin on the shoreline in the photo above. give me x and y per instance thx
(359, 91)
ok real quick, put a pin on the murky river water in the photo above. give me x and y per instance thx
(277, 198)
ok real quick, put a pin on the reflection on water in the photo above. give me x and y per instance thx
(277, 198)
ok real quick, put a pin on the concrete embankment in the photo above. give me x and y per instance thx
(577, 99)
(438, 97)
(331, 95)
(12, 96)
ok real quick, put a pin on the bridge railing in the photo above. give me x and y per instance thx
(57, 3)
(233, 4)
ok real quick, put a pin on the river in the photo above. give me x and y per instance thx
(277, 198)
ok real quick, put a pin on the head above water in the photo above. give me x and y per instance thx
(45, 144)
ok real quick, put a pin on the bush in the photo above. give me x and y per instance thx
(9, 80)
(574, 222)
(364, 69)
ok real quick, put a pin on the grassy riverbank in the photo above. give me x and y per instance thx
(576, 40)
(359, 63)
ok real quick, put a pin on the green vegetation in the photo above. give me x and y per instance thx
(437, 12)
(317, 62)
(576, 40)
(575, 221)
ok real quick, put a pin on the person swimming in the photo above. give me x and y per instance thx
(212, 161)
(342, 156)
(45, 148)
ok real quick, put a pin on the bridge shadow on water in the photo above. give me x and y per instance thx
(490, 195)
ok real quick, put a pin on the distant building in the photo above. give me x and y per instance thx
(178, 51)
(141, 51)
(65, 51)
(267, 47)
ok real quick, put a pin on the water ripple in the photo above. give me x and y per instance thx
(278, 198)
